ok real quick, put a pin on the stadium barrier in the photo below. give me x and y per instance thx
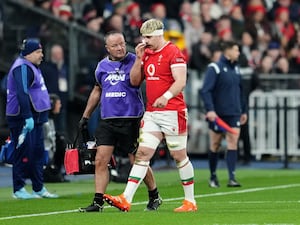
(274, 123)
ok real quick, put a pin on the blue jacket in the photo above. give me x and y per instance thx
(222, 89)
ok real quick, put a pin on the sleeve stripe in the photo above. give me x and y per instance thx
(215, 66)
(24, 77)
(178, 65)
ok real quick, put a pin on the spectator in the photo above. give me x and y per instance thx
(113, 22)
(293, 54)
(55, 33)
(193, 32)
(224, 30)
(258, 25)
(43, 4)
(283, 28)
(159, 11)
(56, 4)
(202, 52)
(266, 65)
(282, 66)
(237, 21)
(132, 24)
(250, 51)
(292, 5)
(185, 13)
(274, 50)
(120, 7)
(90, 19)
(210, 7)
(208, 21)
(56, 76)
(226, 6)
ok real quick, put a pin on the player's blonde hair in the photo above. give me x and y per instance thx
(150, 26)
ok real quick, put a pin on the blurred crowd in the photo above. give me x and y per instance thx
(268, 30)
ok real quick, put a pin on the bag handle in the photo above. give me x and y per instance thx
(84, 138)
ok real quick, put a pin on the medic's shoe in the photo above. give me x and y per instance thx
(119, 202)
(153, 204)
(94, 207)
(187, 206)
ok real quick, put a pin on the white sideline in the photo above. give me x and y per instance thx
(165, 200)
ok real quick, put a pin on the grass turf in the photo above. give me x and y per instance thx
(266, 197)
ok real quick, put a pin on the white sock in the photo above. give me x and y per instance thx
(136, 176)
(186, 174)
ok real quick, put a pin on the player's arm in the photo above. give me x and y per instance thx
(93, 101)
(136, 72)
(179, 73)
(210, 79)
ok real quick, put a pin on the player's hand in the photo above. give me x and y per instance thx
(160, 102)
(140, 49)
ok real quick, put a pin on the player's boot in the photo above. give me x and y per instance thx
(233, 183)
(119, 202)
(94, 207)
(153, 204)
(187, 206)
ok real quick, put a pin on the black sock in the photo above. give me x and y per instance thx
(99, 198)
(231, 159)
(153, 194)
(213, 163)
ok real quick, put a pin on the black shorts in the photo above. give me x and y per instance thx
(121, 133)
(232, 121)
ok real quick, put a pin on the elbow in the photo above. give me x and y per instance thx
(135, 82)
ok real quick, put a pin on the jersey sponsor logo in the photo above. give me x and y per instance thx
(151, 72)
(115, 94)
(114, 77)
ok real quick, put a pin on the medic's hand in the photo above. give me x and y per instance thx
(83, 124)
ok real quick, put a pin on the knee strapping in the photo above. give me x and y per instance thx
(149, 140)
(183, 162)
(176, 143)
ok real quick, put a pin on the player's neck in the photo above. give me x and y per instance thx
(161, 44)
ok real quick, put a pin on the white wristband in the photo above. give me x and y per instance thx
(168, 95)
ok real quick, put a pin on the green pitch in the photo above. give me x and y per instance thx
(267, 197)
